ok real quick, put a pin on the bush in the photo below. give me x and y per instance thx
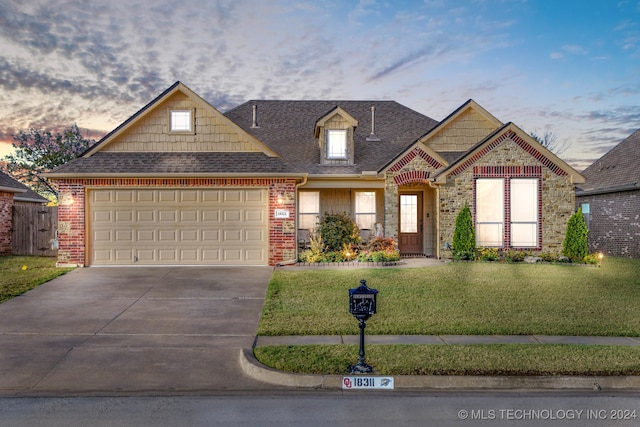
(464, 236)
(489, 254)
(382, 244)
(515, 256)
(576, 246)
(337, 230)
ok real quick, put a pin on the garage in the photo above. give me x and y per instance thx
(178, 226)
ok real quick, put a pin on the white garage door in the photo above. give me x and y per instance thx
(178, 226)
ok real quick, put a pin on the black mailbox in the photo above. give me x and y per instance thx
(362, 301)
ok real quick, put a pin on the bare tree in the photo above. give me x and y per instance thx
(549, 140)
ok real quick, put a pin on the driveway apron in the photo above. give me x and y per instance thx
(104, 330)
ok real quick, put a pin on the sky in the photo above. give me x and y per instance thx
(564, 66)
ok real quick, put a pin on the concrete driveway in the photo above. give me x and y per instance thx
(133, 329)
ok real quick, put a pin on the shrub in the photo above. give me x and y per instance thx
(548, 257)
(382, 244)
(337, 230)
(576, 246)
(592, 259)
(464, 235)
(489, 254)
(515, 256)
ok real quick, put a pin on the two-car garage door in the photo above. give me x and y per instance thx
(178, 226)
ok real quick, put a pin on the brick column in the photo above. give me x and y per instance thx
(6, 223)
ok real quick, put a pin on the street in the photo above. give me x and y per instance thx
(312, 408)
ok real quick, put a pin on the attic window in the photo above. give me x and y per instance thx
(336, 144)
(181, 121)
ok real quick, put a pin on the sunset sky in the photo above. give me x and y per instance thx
(568, 66)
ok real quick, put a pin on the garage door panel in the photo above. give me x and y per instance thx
(178, 226)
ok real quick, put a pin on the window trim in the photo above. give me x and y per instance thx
(508, 173)
(357, 213)
(328, 144)
(192, 126)
(302, 213)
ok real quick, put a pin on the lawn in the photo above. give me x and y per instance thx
(462, 299)
(21, 274)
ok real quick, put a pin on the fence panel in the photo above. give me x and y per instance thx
(34, 228)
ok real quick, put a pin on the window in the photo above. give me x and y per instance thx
(586, 212)
(519, 206)
(308, 209)
(365, 210)
(336, 144)
(524, 213)
(181, 121)
(489, 212)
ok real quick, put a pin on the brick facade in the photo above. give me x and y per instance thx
(6, 222)
(72, 211)
(614, 223)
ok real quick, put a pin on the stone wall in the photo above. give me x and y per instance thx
(6, 222)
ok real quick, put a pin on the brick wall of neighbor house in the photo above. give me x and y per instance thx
(614, 223)
(558, 196)
(72, 213)
(6, 211)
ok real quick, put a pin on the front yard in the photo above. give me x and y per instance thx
(462, 299)
(21, 273)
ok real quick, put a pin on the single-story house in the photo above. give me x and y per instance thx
(179, 182)
(610, 200)
(12, 192)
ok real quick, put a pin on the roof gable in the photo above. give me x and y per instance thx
(338, 111)
(148, 129)
(617, 169)
(510, 133)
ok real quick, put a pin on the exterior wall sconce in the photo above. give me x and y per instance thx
(280, 199)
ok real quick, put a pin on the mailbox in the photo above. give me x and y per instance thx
(362, 301)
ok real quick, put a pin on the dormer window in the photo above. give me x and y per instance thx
(181, 121)
(337, 144)
(335, 131)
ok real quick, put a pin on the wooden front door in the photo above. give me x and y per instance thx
(410, 236)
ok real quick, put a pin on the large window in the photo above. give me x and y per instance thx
(308, 209)
(519, 206)
(489, 212)
(336, 144)
(181, 121)
(524, 213)
(365, 211)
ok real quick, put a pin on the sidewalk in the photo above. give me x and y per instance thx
(254, 369)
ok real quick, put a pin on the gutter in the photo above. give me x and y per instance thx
(172, 175)
(613, 189)
(12, 190)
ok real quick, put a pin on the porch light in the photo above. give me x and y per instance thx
(280, 199)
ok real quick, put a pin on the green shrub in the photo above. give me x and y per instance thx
(464, 236)
(337, 230)
(548, 257)
(576, 246)
(489, 254)
(515, 256)
(593, 259)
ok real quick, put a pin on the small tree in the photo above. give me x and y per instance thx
(576, 244)
(338, 229)
(38, 152)
(464, 235)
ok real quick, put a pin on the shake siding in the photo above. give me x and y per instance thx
(151, 133)
(466, 131)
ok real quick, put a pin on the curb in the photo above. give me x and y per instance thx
(254, 369)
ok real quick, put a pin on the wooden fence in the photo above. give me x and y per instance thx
(34, 229)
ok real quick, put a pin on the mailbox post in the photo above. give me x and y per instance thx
(362, 304)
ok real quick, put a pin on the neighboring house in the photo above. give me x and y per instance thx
(12, 192)
(181, 183)
(610, 200)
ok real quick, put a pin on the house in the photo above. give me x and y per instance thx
(610, 200)
(12, 192)
(182, 183)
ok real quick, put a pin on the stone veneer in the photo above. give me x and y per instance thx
(6, 222)
(72, 211)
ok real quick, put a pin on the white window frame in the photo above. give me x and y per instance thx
(524, 212)
(365, 216)
(181, 121)
(308, 218)
(490, 216)
(337, 144)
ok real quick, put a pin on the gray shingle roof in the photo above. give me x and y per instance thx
(616, 169)
(179, 163)
(22, 192)
(287, 127)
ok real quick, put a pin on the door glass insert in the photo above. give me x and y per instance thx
(408, 213)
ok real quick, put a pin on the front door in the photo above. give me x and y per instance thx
(410, 236)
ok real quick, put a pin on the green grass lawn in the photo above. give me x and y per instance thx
(461, 299)
(15, 279)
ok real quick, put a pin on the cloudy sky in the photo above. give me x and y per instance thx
(568, 66)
